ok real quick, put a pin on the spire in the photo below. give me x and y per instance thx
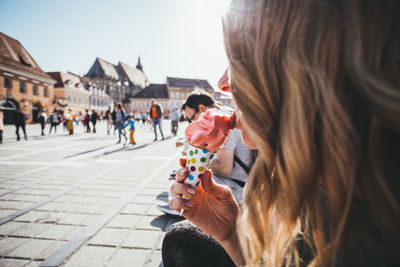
(139, 65)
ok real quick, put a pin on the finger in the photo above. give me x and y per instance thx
(179, 203)
(182, 162)
(183, 189)
(181, 175)
(212, 188)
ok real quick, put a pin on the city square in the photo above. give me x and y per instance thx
(82, 199)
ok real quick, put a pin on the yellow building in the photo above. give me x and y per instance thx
(23, 84)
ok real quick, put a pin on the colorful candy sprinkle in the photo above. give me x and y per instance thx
(212, 156)
(197, 183)
(191, 152)
(203, 159)
(196, 151)
(193, 168)
(205, 151)
(194, 160)
(201, 168)
(200, 175)
(191, 177)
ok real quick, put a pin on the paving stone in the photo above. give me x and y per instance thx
(17, 205)
(28, 198)
(110, 237)
(142, 239)
(52, 217)
(74, 231)
(54, 231)
(153, 211)
(5, 213)
(135, 209)
(32, 216)
(91, 256)
(11, 227)
(155, 259)
(31, 248)
(13, 262)
(74, 219)
(31, 230)
(33, 264)
(144, 199)
(129, 257)
(51, 206)
(152, 223)
(91, 209)
(69, 207)
(124, 221)
(50, 250)
(7, 244)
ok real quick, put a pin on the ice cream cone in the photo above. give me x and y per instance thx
(198, 160)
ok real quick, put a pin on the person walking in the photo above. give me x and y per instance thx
(94, 118)
(86, 120)
(174, 121)
(53, 121)
(70, 122)
(119, 121)
(130, 121)
(42, 120)
(19, 121)
(144, 115)
(1, 125)
(156, 117)
(109, 120)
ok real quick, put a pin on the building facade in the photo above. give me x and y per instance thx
(70, 92)
(23, 84)
(120, 81)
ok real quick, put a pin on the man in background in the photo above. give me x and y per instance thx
(156, 117)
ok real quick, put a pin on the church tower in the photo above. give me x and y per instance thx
(139, 65)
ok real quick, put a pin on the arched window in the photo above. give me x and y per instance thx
(46, 92)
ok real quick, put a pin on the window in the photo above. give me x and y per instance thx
(69, 99)
(22, 87)
(172, 95)
(7, 82)
(46, 92)
(79, 100)
(35, 90)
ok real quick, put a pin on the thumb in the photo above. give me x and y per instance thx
(209, 186)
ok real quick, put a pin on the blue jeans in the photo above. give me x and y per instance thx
(119, 127)
(155, 123)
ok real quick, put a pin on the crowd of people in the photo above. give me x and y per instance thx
(117, 120)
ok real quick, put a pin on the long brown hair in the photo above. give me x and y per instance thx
(318, 84)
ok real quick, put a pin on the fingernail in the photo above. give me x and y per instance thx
(191, 191)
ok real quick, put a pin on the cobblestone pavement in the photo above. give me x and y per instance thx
(84, 200)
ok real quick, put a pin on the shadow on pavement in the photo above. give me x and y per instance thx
(87, 151)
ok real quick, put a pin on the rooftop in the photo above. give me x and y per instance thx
(189, 83)
(13, 54)
(154, 90)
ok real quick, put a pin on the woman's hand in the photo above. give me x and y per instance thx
(212, 207)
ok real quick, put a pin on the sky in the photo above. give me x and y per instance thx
(175, 38)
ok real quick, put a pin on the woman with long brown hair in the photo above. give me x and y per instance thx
(317, 87)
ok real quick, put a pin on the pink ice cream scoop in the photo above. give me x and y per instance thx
(211, 130)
